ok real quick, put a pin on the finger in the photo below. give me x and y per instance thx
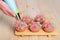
(5, 6)
(4, 11)
(11, 13)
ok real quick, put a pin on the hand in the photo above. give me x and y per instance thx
(4, 7)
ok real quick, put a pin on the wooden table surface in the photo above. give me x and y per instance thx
(50, 8)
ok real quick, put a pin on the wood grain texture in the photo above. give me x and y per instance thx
(50, 8)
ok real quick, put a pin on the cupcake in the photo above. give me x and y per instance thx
(34, 27)
(27, 19)
(39, 18)
(21, 26)
(48, 27)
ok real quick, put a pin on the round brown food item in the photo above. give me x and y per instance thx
(27, 19)
(34, 27)
(40, 18)
(21, 26)
(48, 27)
